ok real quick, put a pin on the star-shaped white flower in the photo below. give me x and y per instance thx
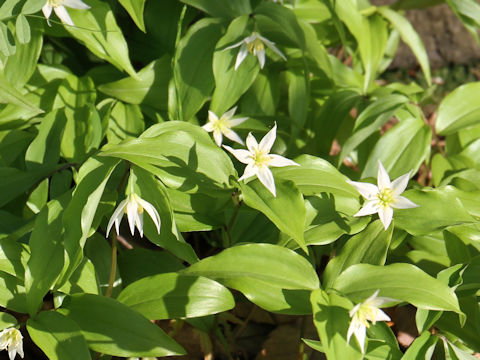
(385, 197)
(59, 7)
(11, 340)
(254, 44)
(223, 126)
(134, 207)
(364, 312)
(258, 159)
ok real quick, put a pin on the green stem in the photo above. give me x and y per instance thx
(113, 267)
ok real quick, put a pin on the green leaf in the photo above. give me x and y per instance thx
(114, 329)
(230, 84)
(13, 255)
(422, 347)
(222, 8)
(125, 122)
(367, 247)
(135, 9)
(286, 210)
(22, 29)
(149, 86)
(409, 37)
(7, 320)
(47, 253)
(458, 110)
(399, 282)
(429, 216)
(98, 30)
(12, 96)
(58, 337)
(167, 296)
(193, 74)
(12, 293)
(278, 266)
(298, 96)
(7, 41)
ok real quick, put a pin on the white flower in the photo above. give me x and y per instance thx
(258, 159)
(364, 312)
(223, 126)
(59, 7)
(11, 340)
(382, 199)
(254, 44)
(133, 206)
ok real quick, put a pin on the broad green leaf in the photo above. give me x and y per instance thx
(13, 254)
(82, 281)
(12, 96)
(286, 210)
(22, 29)
(47, 253)
(402, 149)
(182, 155)
(13, 143)
(298, 96)
(125, 122)
(263, 96)
(315, 48)
(429, 216)
(58, 337)
(222, 8)
(367, 247)
(331, 319)
(12, 293)
(278, 266)
(167, 296)
(371, 120)
(230, 84)
(458, 110)
(7, 41)
(112, 328)
(409, 37)
(98, 30)
(399, 282)
(135, 10)
(468, 11)
(7, 320)
(192, 71)
(422, 347)
(149, 86)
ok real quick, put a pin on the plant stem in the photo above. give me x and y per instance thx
(113, 267)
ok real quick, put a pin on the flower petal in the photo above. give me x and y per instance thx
(266, 143)
(229, 113)
(232, 135)
(272, 46)
(261, 58)
(76, 4)
(132, 213)
(152, 212)
(379, 315)
(385, 213)
(367, 190)
(139, 223)
(62, 14)
(116, 216)
(250, 170)
(252, 144)
(47, 11)
(359, 330)
(208, 126)
(238, 121)
(242, 54)
(266, 178)
(383, 180)
(234, 45)
(212, 116)
(369, 208)
(403, 203)
(280, 161)
(242, 155)
(217, 135)
(399, 184)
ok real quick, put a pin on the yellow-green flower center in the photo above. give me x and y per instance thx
(385, 197)
(133, 198)
(261, 158)
(364, 313)
(221, 124)
(55, 3)
(255, 46)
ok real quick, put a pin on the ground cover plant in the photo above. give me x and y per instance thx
(172, 160)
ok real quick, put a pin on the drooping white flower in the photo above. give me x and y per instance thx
(59, 7)
(133, 206)
(385, 197)
(258, 159)
(364, 312)
(11, 340)
(223, 126)
(254, 44)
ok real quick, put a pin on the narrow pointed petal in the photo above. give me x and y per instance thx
(232, 135)
(234, 45)
(250, 170)
(230, 113)
(261, 58)
(62, 14)
(132, 213)
(280, 161)
(380, 316)
(367, 190)
(242, 155)
(76, 4)
(208, 126)
(267, 142)
(400, 184)
(266, 178)
(383, 180)
(272, 46)
(152, 212)
(403, 203)
(212, 116)
(47, 11)
(217, 135)
(360, 333)
(369, 208)
(139, 223)
(116, 216)
(252, 144)
(242, 54)
(385, 214)
(238, 121)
